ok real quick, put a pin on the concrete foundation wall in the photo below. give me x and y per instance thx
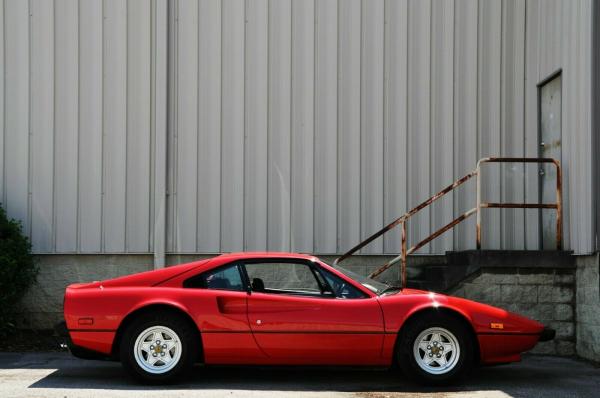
(588, 307)
(42, 304)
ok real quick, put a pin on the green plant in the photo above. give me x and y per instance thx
(17, 269)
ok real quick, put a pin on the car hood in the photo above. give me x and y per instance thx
(483, 317)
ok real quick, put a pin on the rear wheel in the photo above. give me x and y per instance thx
(158, 347)
(436, 349)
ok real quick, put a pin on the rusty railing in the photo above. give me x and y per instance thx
(404, 252)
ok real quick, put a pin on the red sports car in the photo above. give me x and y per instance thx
(285, 309)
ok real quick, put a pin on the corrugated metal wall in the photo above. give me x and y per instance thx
(283, 125)
(77, 123)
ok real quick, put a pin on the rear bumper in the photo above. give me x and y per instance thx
(547, 334)
(76, 350)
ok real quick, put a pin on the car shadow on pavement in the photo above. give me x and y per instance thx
(536, 374)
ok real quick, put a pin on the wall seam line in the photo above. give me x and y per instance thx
(291, 139)
(360, 127)
(384, 129)
(314, 103)
(125, 246)
(29, 225)
(3, 198)
(268, 143)
(430, 211)
(198, 143)
(500, 103)
(221, 126)
(102, 132)
(53, 129)
(78, 146)
(524, 153)
(243, 209)
(407, 113)
(245, 141)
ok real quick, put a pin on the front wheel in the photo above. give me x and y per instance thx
(158, 348)
(436, 349)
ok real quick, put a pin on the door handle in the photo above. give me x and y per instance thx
(542, 172)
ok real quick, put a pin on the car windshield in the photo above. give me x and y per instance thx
(371, 284)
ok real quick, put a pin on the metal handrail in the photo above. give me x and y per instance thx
(557, 205)
(476, 210)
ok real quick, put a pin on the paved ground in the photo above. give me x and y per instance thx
(58, 374)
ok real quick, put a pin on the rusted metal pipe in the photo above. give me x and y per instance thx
(516, 160)
(401, 258)
(404, 217)
(477, 209)
(440, 231)
(403, 254)
(519, 205)
(558, 205)
(387, 265)
(369, 240)
(441, 193)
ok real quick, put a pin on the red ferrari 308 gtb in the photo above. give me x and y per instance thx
(288, 309)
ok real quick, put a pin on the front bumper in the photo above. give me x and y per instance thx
(499, 348)
(547, 334)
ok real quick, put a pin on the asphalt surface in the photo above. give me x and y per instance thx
(57, 374)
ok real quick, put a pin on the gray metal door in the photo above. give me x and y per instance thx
(550, 147)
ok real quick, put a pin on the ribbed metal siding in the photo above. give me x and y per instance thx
(76, 131)
(292, 125)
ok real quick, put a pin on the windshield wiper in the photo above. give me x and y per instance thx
(390, 288)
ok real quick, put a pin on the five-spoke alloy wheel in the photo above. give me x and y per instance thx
(157, 349)
(436, 348)
(159, 346)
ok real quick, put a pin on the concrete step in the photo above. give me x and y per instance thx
(448, 271)
(441, 273)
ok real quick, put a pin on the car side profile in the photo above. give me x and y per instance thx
(285, 309)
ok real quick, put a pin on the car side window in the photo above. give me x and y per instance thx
(223, 278)
(341, 288)
(283, 278)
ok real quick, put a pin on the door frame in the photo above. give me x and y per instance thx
(313, 265)
(539, 86)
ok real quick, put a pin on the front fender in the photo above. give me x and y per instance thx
(399, 308)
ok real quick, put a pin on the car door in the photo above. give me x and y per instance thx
(217, 299)
(296, 319)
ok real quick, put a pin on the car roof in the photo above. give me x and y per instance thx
(246, 255)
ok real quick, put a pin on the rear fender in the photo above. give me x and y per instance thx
(166, 305)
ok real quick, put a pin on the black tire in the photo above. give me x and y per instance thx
(407, 349)
(189, 346)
